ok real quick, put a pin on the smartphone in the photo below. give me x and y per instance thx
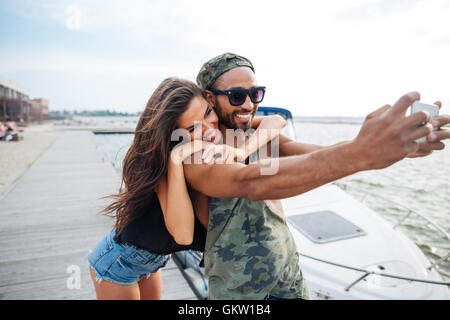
(432, 109)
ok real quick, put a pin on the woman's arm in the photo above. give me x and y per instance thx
(267, 128)
(274, 120)
(173, 194)
(180, 153)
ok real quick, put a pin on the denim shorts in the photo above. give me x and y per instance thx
(123, 263)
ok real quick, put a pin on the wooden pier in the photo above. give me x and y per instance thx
(49, 222)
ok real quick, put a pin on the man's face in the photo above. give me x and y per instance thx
(235, 117)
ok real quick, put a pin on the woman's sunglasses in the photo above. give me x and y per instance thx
(237, 96)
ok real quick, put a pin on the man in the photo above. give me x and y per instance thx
(250, 253)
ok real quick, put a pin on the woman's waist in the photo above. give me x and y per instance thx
(157, 244)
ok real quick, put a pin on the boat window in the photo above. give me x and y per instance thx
(325, 226)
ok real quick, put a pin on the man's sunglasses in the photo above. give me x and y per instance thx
(237, 96)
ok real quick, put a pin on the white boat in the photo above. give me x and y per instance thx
(347, 251)
(350, 252)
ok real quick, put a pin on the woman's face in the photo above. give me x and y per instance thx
(200, 121)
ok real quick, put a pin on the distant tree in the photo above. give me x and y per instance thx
(98, 113)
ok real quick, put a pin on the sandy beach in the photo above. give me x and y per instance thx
(17, 156)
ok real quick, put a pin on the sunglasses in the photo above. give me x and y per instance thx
(237, 96)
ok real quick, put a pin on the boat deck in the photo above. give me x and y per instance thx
(49, 223)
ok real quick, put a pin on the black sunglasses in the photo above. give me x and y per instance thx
(237, 96)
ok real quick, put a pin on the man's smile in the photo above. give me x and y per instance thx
(244, 117)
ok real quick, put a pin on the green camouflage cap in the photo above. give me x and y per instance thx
(215, 67)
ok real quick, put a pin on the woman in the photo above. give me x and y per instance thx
(156, 214)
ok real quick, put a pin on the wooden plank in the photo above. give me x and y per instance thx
(49, 221)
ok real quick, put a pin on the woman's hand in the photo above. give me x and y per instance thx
(180, 153)
(177, 154)
(222, 153)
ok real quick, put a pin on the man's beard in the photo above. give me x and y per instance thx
(229, 120)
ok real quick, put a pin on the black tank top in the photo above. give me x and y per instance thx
(148, 231)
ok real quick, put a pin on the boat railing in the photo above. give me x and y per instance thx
(410, 211)
(369, 272)
(403, 218)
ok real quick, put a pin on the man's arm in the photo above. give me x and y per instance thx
(386, 137)
(296, 175)
(289, 147)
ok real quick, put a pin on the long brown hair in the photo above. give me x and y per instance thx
(146, 161)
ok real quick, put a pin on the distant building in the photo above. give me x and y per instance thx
(39, 109)
(11, 90)
(16, 105)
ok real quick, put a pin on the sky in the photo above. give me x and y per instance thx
(316, 58)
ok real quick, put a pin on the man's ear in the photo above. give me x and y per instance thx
(210, 98)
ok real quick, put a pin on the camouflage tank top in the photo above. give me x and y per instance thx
(250, 252)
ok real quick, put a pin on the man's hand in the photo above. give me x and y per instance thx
(387, 135)
(434, 138)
